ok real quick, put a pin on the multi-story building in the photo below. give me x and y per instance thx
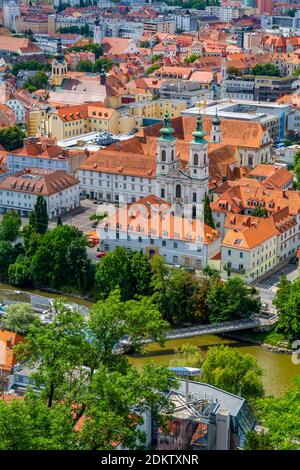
(11, 10)
(149, 225)
(186, 90)
(20, 191)
(44, 153)
(204, 418)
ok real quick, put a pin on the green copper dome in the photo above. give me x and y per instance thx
(199, 133)
(167, 131)
(216, 120)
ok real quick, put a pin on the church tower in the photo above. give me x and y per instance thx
(216, 133)
(198, 163)
(165, 162)
(59, 66)
(97, 32)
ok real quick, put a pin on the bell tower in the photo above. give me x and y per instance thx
(59, 66)
(166, 148)
(198, 162)
(216, 133)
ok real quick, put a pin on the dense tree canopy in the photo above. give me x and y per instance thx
(12, 138)
(268, 70)
(231, 300)
(37, 82)
(230, 370)
(10, 226)
(19, 318)
(90, 397)
(129, 270)
(287, 302)
(39, 216)
(281, 416)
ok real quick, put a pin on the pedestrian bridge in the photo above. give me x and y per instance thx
(215, 329)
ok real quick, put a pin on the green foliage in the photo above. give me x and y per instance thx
(10, 226)
(96, 48)
(152, 68)
(20, 318)
(156, 57)
(29, 65)
(281, 416)
(268, 70)
(129, 270)
(39, 216)
(188, 356)
(179, 295)
(297, 168)
(37, 82)
(234, 71)
(83, 30)
(98, 217)
(231, 300)
(84, 66)
(192, 58)
(12, 138)
(56, 259)
(287, 302)
(258, 441)
(208, 218)
(30, 425)
(260, 212)
(8, 255)
(82, 377)
(102, 63)
(237, 373)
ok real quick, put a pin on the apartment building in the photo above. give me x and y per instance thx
(20, 191)
(149, 225)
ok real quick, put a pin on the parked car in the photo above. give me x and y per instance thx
(100, 254)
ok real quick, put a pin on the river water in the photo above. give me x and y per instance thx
(278, 369)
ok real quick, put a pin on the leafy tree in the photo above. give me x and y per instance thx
(8, 255)
(260, 212)
(282, 418)
(208, 218)
(29, 65)
(156, 57)
(38, 81)
(30, 425)
(96, 48)
(20, 272)
(188, 356)
(126, 269)
(98, 393)
(231, 300)
(61, 260)
(179, 295)
(234, 71)
(192, 58)
(10, 226)
(258, 441)
(39, 216)
(152, 68)
(20, 318)
(268, 70)
(100, 64)
(84, 66)
(237, 373)
(287, 302)
(12, 138)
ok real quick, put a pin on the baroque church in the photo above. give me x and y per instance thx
(184, 185)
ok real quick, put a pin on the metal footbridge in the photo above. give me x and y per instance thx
(214, 329)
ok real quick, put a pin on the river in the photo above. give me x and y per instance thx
(278, 369)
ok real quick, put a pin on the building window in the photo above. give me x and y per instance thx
(178, 191)
(163, 155)
(175, 245)
(229, 253)
(196, 159)
(162, 193)
(151, 241)
(164, 243)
